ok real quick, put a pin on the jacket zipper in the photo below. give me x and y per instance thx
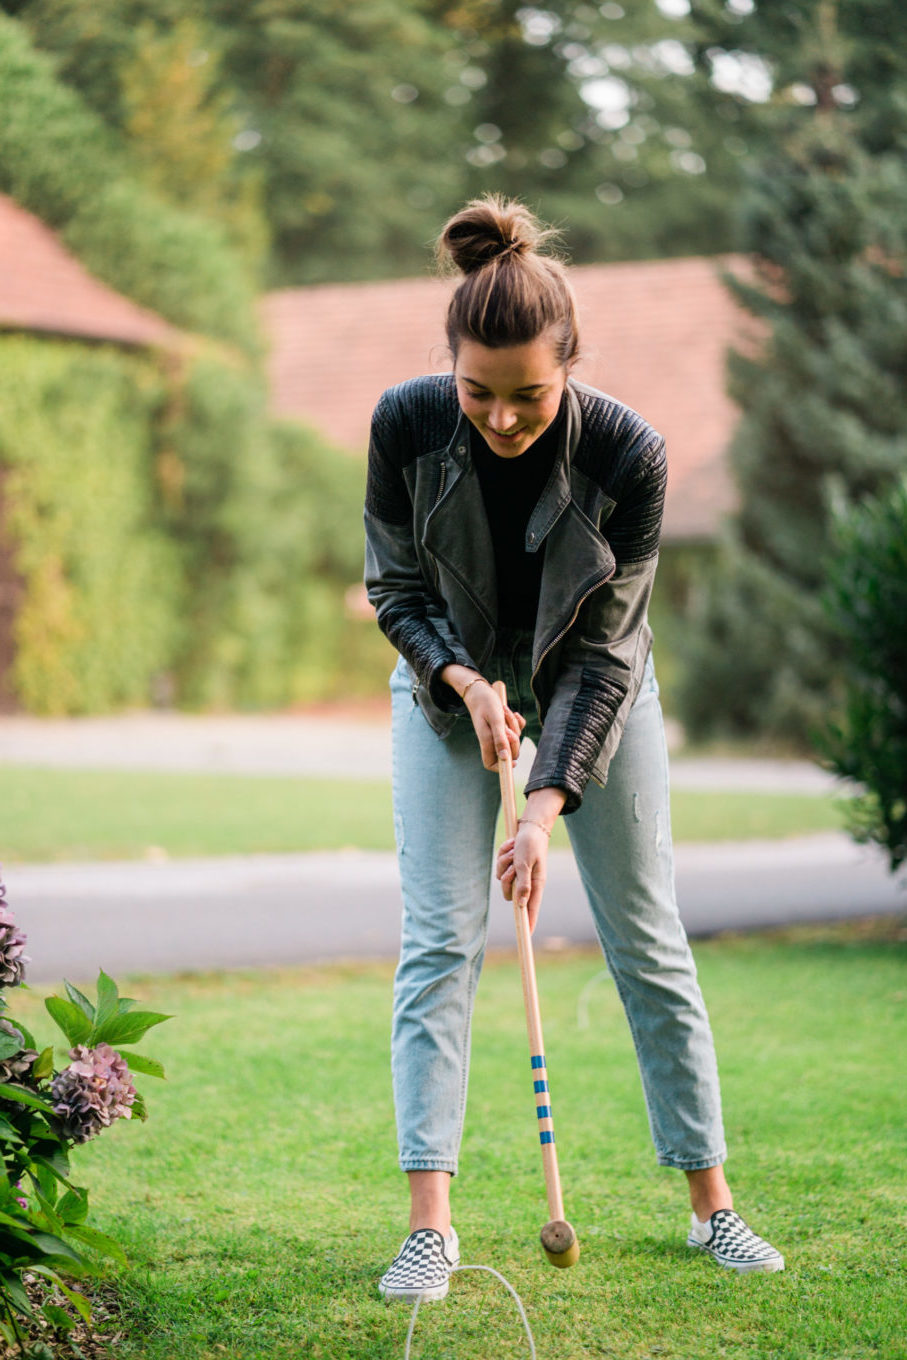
(441, 485)
(566, 628)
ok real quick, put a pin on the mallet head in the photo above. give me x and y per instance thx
(559, 1243)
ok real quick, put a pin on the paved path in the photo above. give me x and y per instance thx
(286, 909)
(283, 909)
(302, 745)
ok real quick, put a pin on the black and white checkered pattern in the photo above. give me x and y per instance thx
(733, 1244)
(422, 1266)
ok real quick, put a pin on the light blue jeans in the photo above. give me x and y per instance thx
(445, 809)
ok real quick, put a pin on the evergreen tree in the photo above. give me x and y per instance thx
(824, 411)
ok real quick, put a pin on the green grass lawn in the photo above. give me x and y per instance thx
(85, 814)
(261, 1201)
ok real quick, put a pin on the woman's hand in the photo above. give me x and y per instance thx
(522, 867)
(497, 727)
(522, 862)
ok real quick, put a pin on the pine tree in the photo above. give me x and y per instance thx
(824, 411)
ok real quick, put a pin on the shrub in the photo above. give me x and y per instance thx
(44, 1114)
(269, 521)
(170, 540)
(867, 603)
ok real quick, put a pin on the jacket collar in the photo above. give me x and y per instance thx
(557, 493)
(457, 534)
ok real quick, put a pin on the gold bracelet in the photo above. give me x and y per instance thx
(533, 822)
(474, 681)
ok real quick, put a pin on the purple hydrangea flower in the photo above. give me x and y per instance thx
(12, 943)
(19, 1064)
(92, 1092)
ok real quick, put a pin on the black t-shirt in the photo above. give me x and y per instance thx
(511, 488)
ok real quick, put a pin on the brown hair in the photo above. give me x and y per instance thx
(511, 292)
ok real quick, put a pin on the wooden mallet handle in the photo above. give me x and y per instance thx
(558, 1237)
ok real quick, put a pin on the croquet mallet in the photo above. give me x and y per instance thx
(558, 1237)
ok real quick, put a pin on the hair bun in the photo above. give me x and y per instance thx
(488, 229)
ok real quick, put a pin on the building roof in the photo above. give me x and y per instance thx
(45, 288)
(654, 334)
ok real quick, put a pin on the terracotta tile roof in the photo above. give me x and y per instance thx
(45, 288)
(654, 335)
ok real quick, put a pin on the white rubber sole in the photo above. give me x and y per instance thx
(433, 1295)
(771, 1263)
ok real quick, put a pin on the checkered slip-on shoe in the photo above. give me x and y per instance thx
(732, 1243)
(421, 1268)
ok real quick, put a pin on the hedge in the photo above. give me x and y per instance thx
(174, 544)
(103, 600)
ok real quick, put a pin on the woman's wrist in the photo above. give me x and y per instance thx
(530, 821)
(543, 807)
(461, 678)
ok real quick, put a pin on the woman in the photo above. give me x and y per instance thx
(512, 522)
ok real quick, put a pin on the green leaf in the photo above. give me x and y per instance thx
(39, 1350)
(20, 1224)
(53, 1156)
(139, 1108)
(52, 1245)
(58, 1317)
(79, 999)
(108, 996)
(54, 1222)
(9, 1091)
(73, 1206)
(11, 1044)
(7, 1133)
(99, 1241)
(71, 1019)
(78, 1301)
(45, 1175)
(127, 1029)
(149, 1066)
(44, 1064)
(13, 1288)
(25, 1032)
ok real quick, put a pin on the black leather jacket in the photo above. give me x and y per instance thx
(429, 566)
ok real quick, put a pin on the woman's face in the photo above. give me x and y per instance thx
(511, 394)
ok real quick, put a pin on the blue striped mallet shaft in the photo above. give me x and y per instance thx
(558, 1237)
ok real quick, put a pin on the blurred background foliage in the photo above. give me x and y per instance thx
(103, 595)
(195, 152)
(823, 214)
(866, 602)
(351, 132)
